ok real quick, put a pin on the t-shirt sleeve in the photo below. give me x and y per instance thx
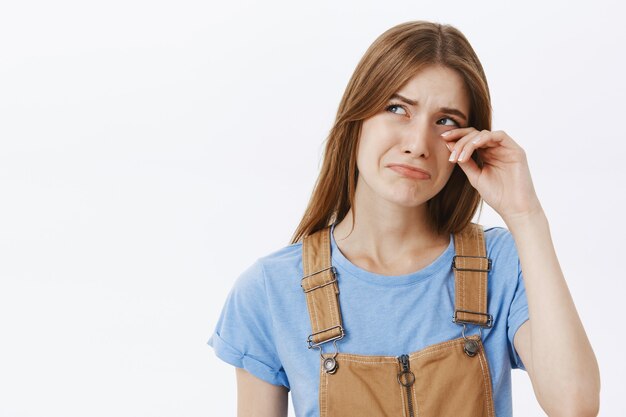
(518, 314)
(243, 336)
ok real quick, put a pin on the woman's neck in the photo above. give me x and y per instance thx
(390, 243)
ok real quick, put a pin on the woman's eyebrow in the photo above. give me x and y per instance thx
(450, 110)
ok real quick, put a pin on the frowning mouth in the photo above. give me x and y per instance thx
(409, 171)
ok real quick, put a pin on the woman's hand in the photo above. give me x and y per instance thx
(504, 181)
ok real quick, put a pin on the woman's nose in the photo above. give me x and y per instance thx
(419, 140)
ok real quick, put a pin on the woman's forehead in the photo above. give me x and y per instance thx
(438, 87)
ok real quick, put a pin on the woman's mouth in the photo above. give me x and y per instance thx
(410, 172)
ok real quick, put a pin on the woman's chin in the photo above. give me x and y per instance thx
(407, 201)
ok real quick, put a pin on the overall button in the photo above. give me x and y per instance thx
(470, 347)
(330, 365)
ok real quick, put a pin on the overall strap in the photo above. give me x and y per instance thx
(471, 266)
(319, 284)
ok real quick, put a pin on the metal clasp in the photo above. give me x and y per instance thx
(329, 363)
(470, 347)
(332, 269)
(480, 332)
(471, 269)
(488, 325)
(309, 339)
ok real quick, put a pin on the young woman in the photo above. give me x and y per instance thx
(389, 301)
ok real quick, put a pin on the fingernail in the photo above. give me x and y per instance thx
(449, 146)
(461, 156)
(446, 133)
(452, 156)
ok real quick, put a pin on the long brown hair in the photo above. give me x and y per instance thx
(392, 60)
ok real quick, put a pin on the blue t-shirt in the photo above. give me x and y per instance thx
(265, 323)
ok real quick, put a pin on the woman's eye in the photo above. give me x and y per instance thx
(453, 121)
(395, 106)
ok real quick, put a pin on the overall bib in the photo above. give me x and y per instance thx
(450, 378)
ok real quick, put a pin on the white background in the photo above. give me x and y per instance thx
(151, 150)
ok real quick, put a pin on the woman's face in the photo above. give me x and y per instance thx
(408, 132)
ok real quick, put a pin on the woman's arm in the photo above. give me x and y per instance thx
(552, 344)
(257, 398)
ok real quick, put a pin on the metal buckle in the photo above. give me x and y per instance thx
(329, 364)
(488, 325)
(480, 332)
(309, 339)
(471, 269)
(332, 269)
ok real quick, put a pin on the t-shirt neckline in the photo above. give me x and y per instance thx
(441, 265)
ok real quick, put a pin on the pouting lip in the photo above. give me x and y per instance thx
(409, 167)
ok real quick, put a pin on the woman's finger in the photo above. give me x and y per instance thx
(460, 149)
(483, 139)
(455, 134)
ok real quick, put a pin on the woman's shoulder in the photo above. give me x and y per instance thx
(498, 238)
(502, 250)
(282, 262)
(286, 254)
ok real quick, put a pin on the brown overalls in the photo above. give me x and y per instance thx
(450, 378)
